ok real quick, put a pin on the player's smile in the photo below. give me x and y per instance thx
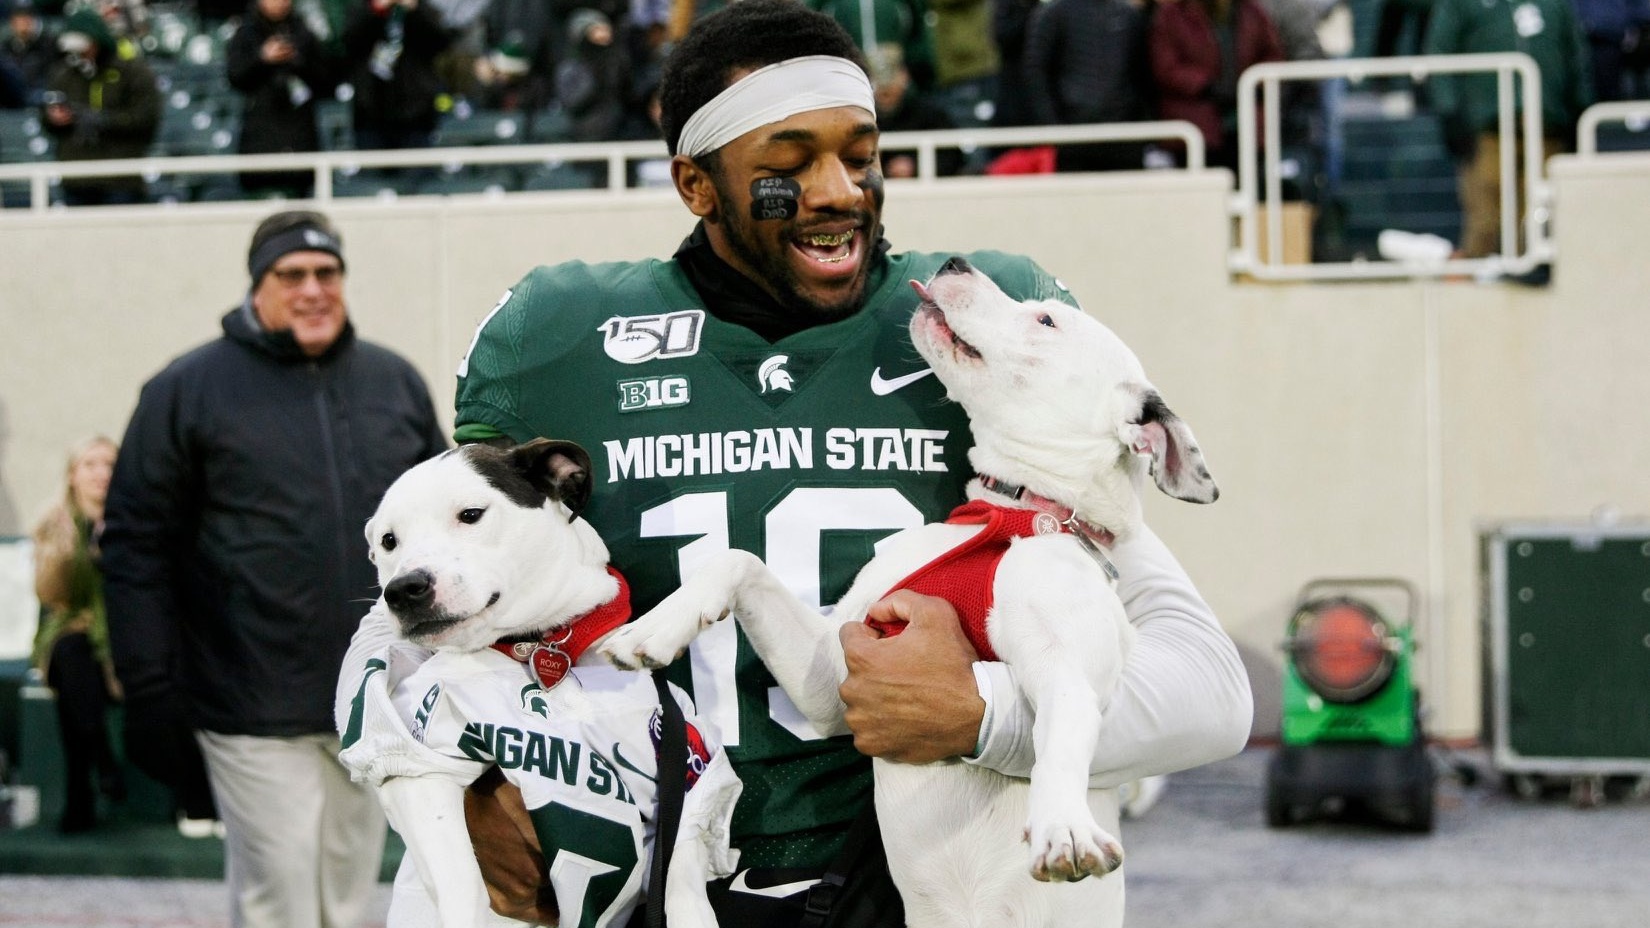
(806, 235)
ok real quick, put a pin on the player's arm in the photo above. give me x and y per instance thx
(1183, 699)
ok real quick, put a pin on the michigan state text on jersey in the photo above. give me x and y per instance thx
(704, 435)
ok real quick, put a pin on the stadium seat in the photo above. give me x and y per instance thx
(549, 126)
(480, 127)
(1616, 136)
(21, 138)
(477, 179)
(562, 176)
(372, 183)
(1395, 174)
(21, 142)
(336, 121)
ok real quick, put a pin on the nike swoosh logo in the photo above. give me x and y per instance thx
(882, 386)
(630, 766)
(777, 892)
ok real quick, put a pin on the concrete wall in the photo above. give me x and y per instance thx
(1356, 430)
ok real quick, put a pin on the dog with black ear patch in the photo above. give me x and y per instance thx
(483, 559)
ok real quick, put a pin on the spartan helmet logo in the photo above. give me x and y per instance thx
(773, 376)
(532, 700)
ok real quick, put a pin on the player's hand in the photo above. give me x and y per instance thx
(507, 848)
(911, 698)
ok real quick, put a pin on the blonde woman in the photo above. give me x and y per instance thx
(71, 649)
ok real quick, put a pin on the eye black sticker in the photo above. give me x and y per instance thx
(774, 198)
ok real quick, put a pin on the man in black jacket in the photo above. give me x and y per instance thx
(236, 569)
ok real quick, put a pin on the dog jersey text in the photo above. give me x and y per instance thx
(547, 755)
(645, 457)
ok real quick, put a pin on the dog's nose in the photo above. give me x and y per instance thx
(412, 590)
(956, 265)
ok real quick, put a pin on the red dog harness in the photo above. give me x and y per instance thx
(964, 575)
(552, 656)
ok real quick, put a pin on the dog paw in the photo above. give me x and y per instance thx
(639, 647)
(659, 637)
(1063, 853)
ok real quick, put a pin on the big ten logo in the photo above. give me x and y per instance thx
(774, 197)
(634, 339)
(653, 393)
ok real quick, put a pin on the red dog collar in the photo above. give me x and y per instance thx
(552, 655)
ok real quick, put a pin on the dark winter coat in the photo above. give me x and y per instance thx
(1085, 61)
(34, 58)
(406, 99)
(1558, 46)
(117, 112)
(233, 555)
(279, 114)
(1186, 62)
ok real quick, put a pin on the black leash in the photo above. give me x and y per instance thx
(672, 785)
(825, 896)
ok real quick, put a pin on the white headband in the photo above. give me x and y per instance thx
(772, 94)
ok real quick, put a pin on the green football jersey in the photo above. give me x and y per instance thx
(705, 436)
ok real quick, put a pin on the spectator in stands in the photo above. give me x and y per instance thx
(901, 107)
(561, 12)
(519, 64)
(280, 68)
(1085, 62)
(1198, 49)
(235, 569)
(904, 22)
(1297, 25)
(71, 650)
(966, 62)
(593, 82)
(1546, 30)
(465, 19)
(1616, 30)
(393, 46)
(128, 20)
(15, 92)
(215, 13)
(1401, 27)
(1010, 22)
(30, 48)
(647, 28)
(99, 106)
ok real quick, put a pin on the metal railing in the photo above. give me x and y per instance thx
(616, 156)
(1634, 113)
(1245, 258)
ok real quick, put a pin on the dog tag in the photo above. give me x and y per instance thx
(1045, 524)
(1099, 555)
(550, 665)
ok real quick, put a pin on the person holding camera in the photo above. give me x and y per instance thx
(281, 69)
(99, 105)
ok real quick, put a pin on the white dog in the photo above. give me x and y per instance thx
(1065, 427)
(481, 557)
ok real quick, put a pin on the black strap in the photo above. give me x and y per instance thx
(672, 784)
(823, 896)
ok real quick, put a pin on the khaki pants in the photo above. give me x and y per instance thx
(1480, 188)
(303, 845)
